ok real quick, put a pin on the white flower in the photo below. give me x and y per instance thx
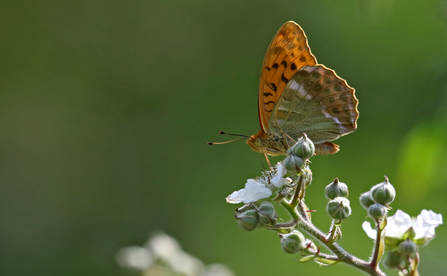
(163, 246)
(169, 250)
(135, 257)
(185, 264)
(252, 192)
(278, 180)
(216, 270)
(425, 224)
(398, 225)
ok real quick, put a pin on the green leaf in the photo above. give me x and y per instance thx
(307, 258)
(381, 249)
(286, 230)
(325, 262)
(383, 224)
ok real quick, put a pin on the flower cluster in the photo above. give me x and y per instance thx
(286, 183)
(400, 227)
(401, 235)
(162, 255)
(261, 187)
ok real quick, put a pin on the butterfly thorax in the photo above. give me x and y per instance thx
(270, 143)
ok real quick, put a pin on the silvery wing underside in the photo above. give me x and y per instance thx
(317, 102)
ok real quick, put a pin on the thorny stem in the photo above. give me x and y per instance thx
(339, 252)
(303, 210)
(284, 224)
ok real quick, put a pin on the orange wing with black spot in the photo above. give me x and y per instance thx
(286, 54)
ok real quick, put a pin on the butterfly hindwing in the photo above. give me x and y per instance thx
(317, 102)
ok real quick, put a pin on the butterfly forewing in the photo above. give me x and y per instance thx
(317, 102)
(287, 53)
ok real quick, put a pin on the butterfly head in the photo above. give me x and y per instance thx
(255, 142)
(265, 143)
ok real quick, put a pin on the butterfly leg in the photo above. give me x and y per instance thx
(285, 135)
(267, 158)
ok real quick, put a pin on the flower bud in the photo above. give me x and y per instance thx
(338, 208)
(246, 207)
(293, 242)
(293, 163)
(383, 193)
(307, 176)
(366, 200)
(304, 148)
(248, 220)
(377, 211)
(392, 260)
(267, 214)
(408, 248)
(336, 189)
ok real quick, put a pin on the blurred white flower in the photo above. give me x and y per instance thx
(163, 246)
(169, 250)
(401, 223)
(185, 264)
(278, 180)
(252, 192)
(216, 270)
(134, 257)
(174, 261)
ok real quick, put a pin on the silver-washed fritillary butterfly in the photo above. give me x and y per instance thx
(297, 95)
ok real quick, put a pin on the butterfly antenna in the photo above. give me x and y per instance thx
(221, 143)
(240, 135)
(226, 142)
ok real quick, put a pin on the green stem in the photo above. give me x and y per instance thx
(299, 188)
(415, 264)
(332, 232)
(295, 216)
(378, 246)
(342, 255)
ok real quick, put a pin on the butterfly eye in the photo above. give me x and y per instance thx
(258, 142)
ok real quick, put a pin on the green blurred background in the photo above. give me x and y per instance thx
(106, 108)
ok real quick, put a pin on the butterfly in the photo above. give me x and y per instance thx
(297, 95)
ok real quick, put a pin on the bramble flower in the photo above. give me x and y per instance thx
(278, 180)
(163, 255)
(135, 257)
(426, 222)
(421, 230)
(252, 192)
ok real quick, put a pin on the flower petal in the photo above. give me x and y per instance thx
(398, 224)
(252, 192)
(236, 197)
(372, 233)
(278, 180)
(431, 218)
(425, 224)
(255, 191)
